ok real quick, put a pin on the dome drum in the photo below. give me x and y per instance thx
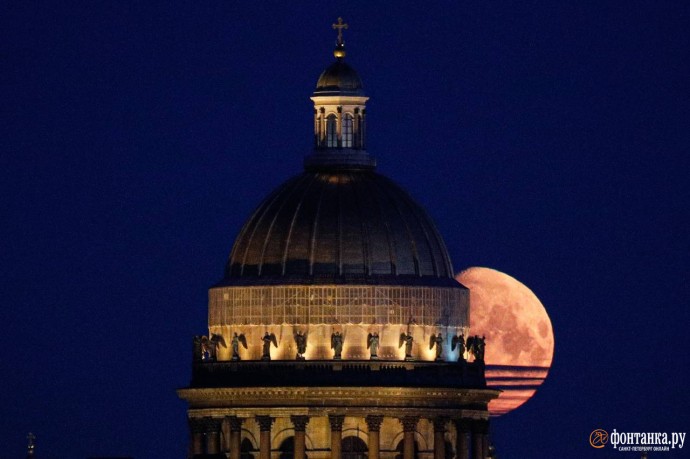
(354, 311)
(338, 304)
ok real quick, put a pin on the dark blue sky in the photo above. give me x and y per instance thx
(548, 140)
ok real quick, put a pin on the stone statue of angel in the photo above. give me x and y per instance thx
(407, 340)
(301, 342)
(459, 342)
(337, 345)
(268, 339)
(235, 343)
(373, 345)
(437, 341)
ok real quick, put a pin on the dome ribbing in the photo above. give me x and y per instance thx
(341, 227)
(339, 79)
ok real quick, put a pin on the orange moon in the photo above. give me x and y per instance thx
(519, 336)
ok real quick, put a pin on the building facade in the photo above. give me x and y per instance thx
(338, 330)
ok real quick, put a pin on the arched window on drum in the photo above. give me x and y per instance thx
(331, 132)
(348, 126)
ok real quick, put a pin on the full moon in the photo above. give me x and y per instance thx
(519, 336)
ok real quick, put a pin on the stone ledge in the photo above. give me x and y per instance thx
(328, 399)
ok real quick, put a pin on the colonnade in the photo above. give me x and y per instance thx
(216, 435)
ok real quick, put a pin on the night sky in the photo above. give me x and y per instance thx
(548, 140)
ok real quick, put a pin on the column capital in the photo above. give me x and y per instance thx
(409, 423)
(265, 423)
(374, 422)
(235, 423)
(439, 423)
(336, 421)
(300, 422)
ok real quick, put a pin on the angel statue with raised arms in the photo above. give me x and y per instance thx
(337, 345)
(437, 340)
(235, 343)
(268, 339)
(301, 342)
(459, 342)
(373, 345)
(476, 346)
(407, 340)
(209, 346)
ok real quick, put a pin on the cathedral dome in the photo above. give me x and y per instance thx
(339, 79)
(339, 227)
(338, 249)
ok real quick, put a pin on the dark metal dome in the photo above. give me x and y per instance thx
(340, 227)
(339, 79)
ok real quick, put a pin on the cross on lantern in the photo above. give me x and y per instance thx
(340, 26)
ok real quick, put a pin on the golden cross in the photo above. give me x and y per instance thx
(340, 26)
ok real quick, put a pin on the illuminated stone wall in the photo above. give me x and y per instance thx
(353, 311)
(274, 305)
